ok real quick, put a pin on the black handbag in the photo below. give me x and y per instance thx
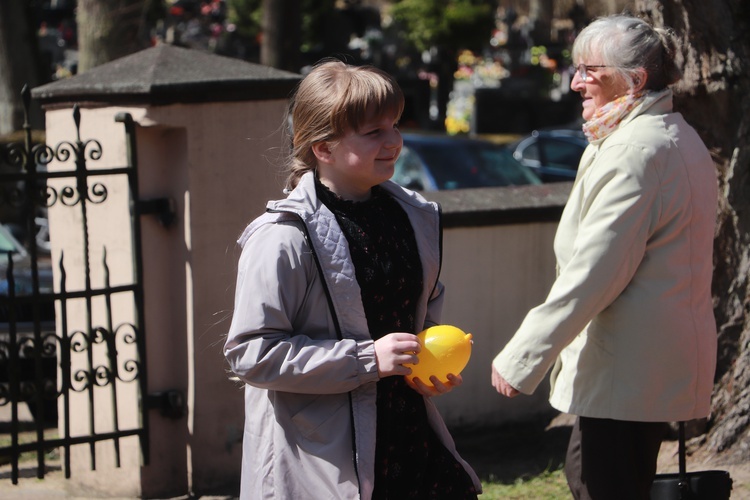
(683, 485)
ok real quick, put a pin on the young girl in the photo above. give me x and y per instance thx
(333, 283)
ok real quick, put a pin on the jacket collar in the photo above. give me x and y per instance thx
(657, 103)
(304, 201)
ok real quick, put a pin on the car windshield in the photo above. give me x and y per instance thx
(562, 154)
(470, 164)
(8, 244)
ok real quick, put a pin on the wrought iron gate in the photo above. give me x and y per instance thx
(39, 336)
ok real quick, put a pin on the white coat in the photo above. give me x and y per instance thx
(629, 321)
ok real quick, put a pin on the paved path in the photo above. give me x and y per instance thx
(54, 485)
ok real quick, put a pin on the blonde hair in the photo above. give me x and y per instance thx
(332, 99)
(627, 43)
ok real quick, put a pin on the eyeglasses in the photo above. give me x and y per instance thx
(583, 69)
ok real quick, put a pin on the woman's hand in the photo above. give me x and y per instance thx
(395, 349)
(502, 386)
(437, 388)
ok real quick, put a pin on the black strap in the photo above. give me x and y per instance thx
(683, 483)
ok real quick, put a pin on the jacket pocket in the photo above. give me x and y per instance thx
(324, 415)
(600, 336)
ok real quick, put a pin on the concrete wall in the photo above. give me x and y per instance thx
(498, 263)
(108, 235)
(493, 275)
(221, 178)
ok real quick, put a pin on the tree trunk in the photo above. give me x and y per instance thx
(282, 34)
(19, 64)
(108, 30)
(540, 12)
(714, 96)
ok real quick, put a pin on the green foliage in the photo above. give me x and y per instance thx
(422, 21)
(314, 16)
(454, 24)
(246, 15)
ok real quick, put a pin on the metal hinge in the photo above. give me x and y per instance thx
(170, 403)
(163, 208)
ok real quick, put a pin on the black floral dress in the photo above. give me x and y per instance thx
(410, 460)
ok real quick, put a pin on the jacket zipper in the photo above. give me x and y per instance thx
(339, 335)
(440, 251)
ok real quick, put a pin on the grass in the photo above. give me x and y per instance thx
(522, 460)
(29, 437)
(549, 485)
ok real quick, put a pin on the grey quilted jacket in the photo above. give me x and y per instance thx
(300, 342)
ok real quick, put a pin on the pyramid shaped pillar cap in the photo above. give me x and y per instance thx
(167, 74)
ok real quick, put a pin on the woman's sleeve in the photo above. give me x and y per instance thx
(265, 346)
(619, 211)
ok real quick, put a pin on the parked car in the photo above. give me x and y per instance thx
(552, 154)
(13, 252)
(18, 329)
(439, 162)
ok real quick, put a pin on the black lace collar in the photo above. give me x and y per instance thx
(339, 204)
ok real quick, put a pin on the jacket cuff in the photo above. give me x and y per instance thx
(367, 362)
(519, 375)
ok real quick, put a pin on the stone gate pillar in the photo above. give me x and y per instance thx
(208, 136)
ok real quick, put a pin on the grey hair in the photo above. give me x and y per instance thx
(627, 43)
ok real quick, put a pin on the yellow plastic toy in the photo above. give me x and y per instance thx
(445, 349)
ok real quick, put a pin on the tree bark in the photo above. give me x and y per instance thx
(19, 64)
(108, 30)
(714, 96)
(282, 28)
(540, 11)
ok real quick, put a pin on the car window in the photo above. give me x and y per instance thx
(531, 152)
(409, 171)
(8, 244)
(459, 165)
(452, 168)
(501, 160)
(562, 154)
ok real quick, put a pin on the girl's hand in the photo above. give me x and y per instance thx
(437, 388)
(395, 349)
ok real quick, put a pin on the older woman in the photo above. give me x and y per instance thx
(628, 323)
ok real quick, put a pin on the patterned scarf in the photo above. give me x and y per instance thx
(608, 117)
